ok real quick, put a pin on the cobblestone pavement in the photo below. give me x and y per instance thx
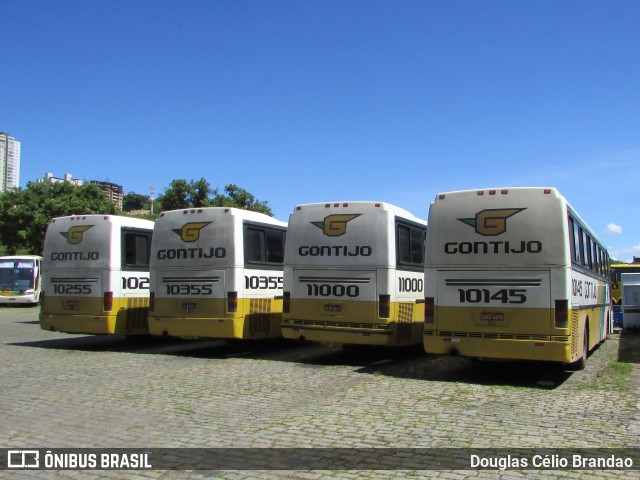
(73, 391)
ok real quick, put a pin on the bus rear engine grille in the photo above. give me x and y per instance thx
(504, 336)
(319, 323)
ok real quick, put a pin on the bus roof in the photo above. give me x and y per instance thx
(115, 219)
(234, 212)
(361, 204)
(552, 191)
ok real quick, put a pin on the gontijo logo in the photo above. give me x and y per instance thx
(335, 225)
(75, 234)
(491, 222)
(190, 232)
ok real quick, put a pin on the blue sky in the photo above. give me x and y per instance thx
(323, 100)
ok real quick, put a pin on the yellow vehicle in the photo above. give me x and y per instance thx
(217, 273)
(617, 269)
(354, 274)
(514, 273)
(96, 275)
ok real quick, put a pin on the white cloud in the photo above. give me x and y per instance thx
(624, 254)
(613, 228)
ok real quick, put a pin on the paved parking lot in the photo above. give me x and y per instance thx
(73, 391)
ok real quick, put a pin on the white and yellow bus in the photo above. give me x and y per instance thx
(96, 275)
(514, 273)
(354, 274)
(217, 273)
(20, 279)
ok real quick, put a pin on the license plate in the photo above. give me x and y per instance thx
(332, 308)
(71, 304)
(189, 306)
(492, 317)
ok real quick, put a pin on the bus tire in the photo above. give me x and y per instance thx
(581, 363)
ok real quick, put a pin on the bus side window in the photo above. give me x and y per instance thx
(275, 246)
(264, 245)
(254, 245)
(574, 240)
(136, 252)
(411, 243)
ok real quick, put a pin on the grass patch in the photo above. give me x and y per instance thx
(613, 377)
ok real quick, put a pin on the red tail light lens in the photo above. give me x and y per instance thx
(108, 301)
(286, 302)
(429, 310)
(232, 302)
(384, 306)
(562, 313)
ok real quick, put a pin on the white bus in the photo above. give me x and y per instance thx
(96, 275)
(514, 273)
(217, 273)
(354, 274)
(20, 279)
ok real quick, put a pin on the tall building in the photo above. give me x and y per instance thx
(114, 192)
(68, 178)
(9, 162)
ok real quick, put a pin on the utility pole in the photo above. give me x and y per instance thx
(151, 192)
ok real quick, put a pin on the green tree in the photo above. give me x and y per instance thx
(201, 193)
(25, 214)
(134, 201)
(177, 195)
(195, 194)
(237, 197)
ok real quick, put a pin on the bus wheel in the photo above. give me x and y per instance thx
(581, 363)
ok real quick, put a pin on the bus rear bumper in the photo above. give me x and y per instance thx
(347, 335)
(232, 328)
(18, 300)
(88, 324)
(514, 349)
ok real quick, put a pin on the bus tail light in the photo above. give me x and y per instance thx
(286, 302)
(232, 302)
(384, 306)
(152, 301)
(562, 313)
(108, 301)
(429, 310)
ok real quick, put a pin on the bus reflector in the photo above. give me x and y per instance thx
(384, 306)
(152, 301)
(429, 310)
(108, 301)
(286, 302)
(232, 302)
(562, 313)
